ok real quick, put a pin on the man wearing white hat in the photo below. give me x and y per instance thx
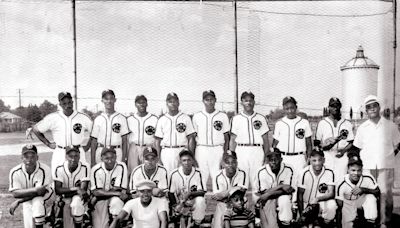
(379, 142)
(147, 211)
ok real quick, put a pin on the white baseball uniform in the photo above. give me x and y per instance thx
(74, 206)
(210, 129)
(101, 178)
(160, 177)
(20, 179)
(66, 131)
(326, 129)
(173, 130)
(179, 183)
(292, 134)
(145, 217)
(108, 130)
(351, 202)
(267, 179)
(142, 135)
(221, 182)
(249, 142)
(315, 186)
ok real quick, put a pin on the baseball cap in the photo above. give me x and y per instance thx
(355, 160)
(172, 95)
(108, 91)
(108, 149)
(149, 151)
(275, 153)
(63, 95)
(317, 151)
(229, 154)
(145, 184)
(71, 148)
(370, 99)
(247, 93)
(184, 153)
(335, 101)
(140, 97)
(29, 148)
(208, 93)
(289, 99)
(237, 190)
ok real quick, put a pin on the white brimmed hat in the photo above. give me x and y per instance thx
(145, 184)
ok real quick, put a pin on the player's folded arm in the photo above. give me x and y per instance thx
(24, 193)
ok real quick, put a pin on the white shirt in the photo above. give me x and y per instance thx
(179, 182)
(249, 129)
(101, 178)
(66, 130)
(20, 179)
(221, 181)
(210, 127)
(346, 186)
(173, 130)
(68, 179)
(267, 179)
(377, 143)
(292, 134)
(145, 217)
(313, 185)
(326, 129)
(109, 130)
(142, 128)
(160, 177)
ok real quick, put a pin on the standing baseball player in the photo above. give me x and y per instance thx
(71, 183)
(174, 132)
(292, 136)
(109, 182)
(187, 188)
(227, 178)
(249, 137)
(142, 126)
(110, 129)
(335, 136)
(274, 186)
(212, 135)
(316, 188)
(354, 192)
(30, 185)
(68, 129)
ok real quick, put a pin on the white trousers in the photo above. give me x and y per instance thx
(349, 211)
(209, 159)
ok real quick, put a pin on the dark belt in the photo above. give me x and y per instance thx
(101, 145)
(209, 145)
(65, 147)
(291, 154)
(243, 144)
(142, 144)
(173, 146)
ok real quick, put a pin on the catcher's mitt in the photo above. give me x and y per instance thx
(310, 214)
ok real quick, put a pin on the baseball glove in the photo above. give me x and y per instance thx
(310, 214)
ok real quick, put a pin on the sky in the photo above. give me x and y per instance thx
(153, 48)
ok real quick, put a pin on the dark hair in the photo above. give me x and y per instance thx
(315, 152)
(185, 153)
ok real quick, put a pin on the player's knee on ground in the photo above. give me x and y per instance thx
(199, 208)
(284, 208)
(38, 210)
(115, 206)
(328, 209)
(77, 208)
(370, 207)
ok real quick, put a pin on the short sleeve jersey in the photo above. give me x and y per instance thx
(20, 179)
(313, 185)
(179, 182)
(326, 129)
(145, 217)
(142, 128)
(101, 178)
(173, 130)
(221, 182)
(210, 127)
(109, 130)
(160, 177)
(239, 219)
(249, 129)
(74, 179)
(345, 187)
(266, 179)
(292, 134)
(66, 130)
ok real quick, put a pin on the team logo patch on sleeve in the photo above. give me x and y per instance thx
(218, 125)
(300, 133)
(113, 181)
(257, 124)
(193, 188)
(116, 127)
(156, 181)
(150, 130)
(322, 188)
(77, 128)
(181, 127)
(78, 184)
(344, 133)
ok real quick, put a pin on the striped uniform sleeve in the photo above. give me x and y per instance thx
(58, 174)
(235, 128)
(14, 181)
(340, 190)
(46, 123)
(319, 133)
(277, 129)
(48, 179)
(308, 132)
(159, 128)
(225, 123)
(96, 128)
(350, 136)
(124, 126)
(124, 176)
(264, 125)
(189, 126)
(86, 172)
(96, 181)
(369, 182)
(301, 180)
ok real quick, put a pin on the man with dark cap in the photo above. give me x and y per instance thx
(142, 126)
(67, 127)
(335, 136)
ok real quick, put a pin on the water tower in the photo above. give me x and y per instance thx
(360, 76)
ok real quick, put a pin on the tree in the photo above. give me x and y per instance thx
(91, 114)
(3, 107)
(33, 113)
(46, 108)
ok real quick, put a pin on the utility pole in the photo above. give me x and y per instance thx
(19, 98)
(236, 61)
(75, 62)
(394, 53)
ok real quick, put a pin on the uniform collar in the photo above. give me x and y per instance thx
(347, 179)
(236, 173)
(287, 119)
(67, 169)
(112, 115)
(180, 170)
(210, 114)
(103, 166)
(36, 169)
(312, 171)
(172, 117)
(152, 175)
(247, 116)
(72, 114)
(141, 117)
(269, 170)
(331, 121)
